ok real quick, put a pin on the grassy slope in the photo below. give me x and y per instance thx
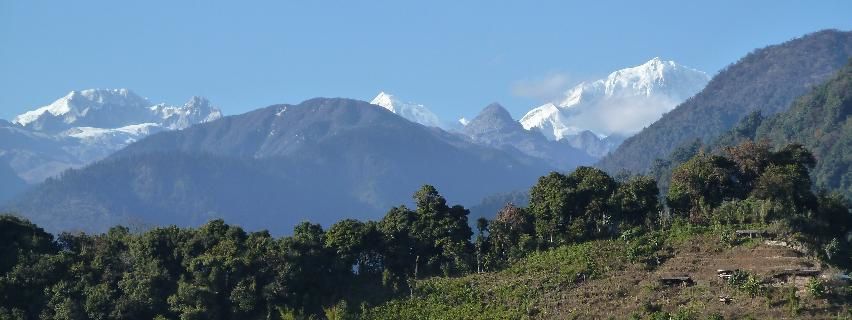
(551, 285)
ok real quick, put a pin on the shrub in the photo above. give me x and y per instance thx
(817, 288)
(747, 283)
(793, 302)
(715, 316)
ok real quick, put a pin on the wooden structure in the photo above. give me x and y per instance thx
(682, 281)
(725, 274)
(810, 272)
(750, 233)
(797, 277)
(776, 243)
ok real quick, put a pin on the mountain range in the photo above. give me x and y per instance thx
(116, 108)
(86, 126)
(274, 167)
(494, 127)
(146, 164)
(594, 116)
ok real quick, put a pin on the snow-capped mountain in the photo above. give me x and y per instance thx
(98, 108)
(550, 121)
(114, 108)
(293, 156)
(197, 110)
(88, 125)
(494, 127)
(414, 112)
(655, 77)
(623, 103)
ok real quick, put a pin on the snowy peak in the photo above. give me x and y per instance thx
(623, 103)
(549, 120)
(414, 112)
(655, 77)
(85, 106)
(538, 115)
(197, 110)
(619, 105)
(88, 125)
(113, 108)
(384, 100)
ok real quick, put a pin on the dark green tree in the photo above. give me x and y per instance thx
(636, 202)
(550, 205)
(589, 192)
(21, 237)
(701, 184)
(442, 235)
(511, 235)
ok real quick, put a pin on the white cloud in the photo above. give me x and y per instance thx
(624, 116)
(547, 88)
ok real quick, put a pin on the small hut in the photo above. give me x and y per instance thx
(751, 233)
(797, 277)
(682, 281)
(725, 274)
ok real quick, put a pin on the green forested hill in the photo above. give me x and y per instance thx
(821, 122)
(767, 80)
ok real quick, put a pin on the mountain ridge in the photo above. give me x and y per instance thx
(348, 149)
(495, 127)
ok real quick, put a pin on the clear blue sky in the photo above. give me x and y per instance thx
(453, 56)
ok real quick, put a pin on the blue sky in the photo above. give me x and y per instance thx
(453, 56)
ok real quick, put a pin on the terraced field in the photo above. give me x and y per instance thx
(601, 279)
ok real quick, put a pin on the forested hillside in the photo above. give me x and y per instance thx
(767, 80)
(819, 120)
(584, 240)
